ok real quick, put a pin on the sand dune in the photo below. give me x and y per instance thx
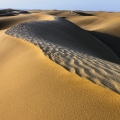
(103, 25)
(65, 43)
(63, 32)
(110, 26)
(82, 21)
(6, 22)
(62, 13)
(85, 82)
(28, 89)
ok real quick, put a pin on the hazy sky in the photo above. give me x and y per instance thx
(106, 5)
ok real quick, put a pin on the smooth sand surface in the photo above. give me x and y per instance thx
(52, 69)
(35, 88)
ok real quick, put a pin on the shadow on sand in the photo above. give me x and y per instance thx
(83, 13)
(12, 12)
(111, 41)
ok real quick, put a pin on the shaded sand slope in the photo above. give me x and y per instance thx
(104, 25)
(112, 41)
(34, 88)
(97, 22)
(66, 34)
(6, 22)
(74, 49)
(82, 13)
(108, 32)
(12, 12)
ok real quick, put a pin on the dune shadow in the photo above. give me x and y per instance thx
(7, 14)
(111, 41)
(3, 11)
(12, 12)
(63, 17)
(83, 13)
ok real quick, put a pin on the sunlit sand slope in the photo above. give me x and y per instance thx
(74, 49)
(32, 87)
(6, 22)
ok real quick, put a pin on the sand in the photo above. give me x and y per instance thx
(77, 56)
(52, 69)
(6, 22)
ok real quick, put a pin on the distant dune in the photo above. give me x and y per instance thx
(59, 65)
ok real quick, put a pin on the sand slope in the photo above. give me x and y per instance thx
(35, 88)
(103, 25)
(6, 22)
(63, 32)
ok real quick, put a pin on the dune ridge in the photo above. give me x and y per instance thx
(72, 52)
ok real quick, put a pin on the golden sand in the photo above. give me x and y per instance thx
(6, 22)
(33, 87)
(73, 48)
